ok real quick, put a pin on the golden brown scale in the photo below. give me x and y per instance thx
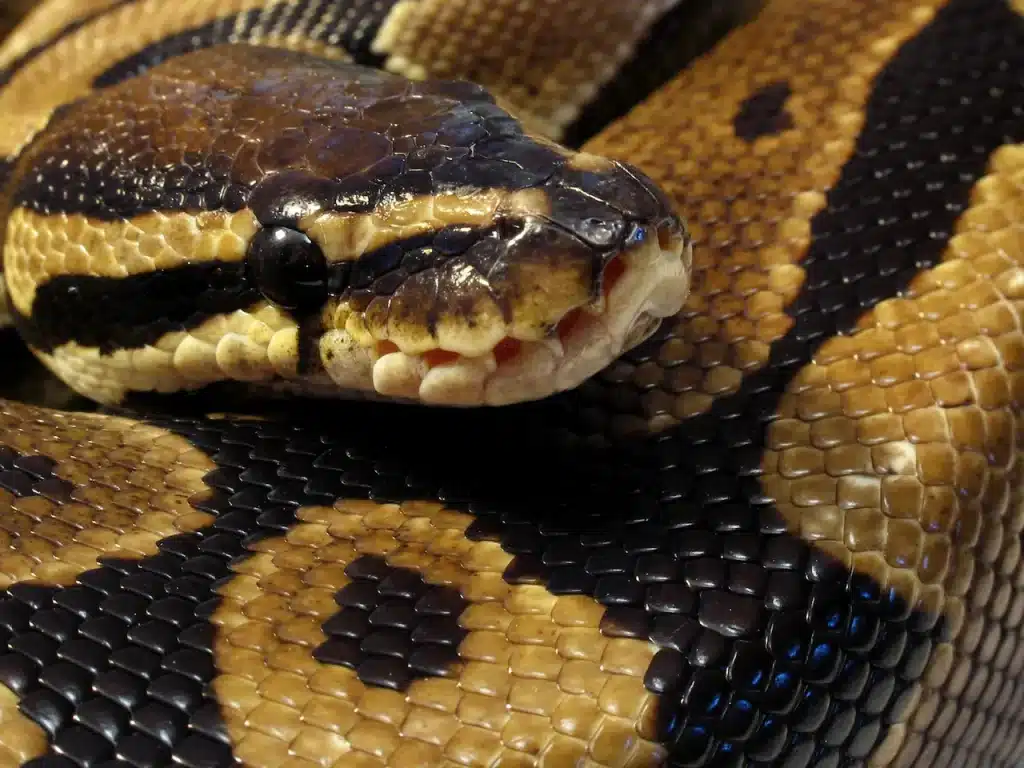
(535, 679)
(896, 450)
(535, 682)
(538, 62)
(750, 203)
(56, 536)
(91, 486)
(31, 23)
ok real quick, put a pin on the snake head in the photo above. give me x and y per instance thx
(452, 257)
(288, 221)
(547, 286)
(446, 255)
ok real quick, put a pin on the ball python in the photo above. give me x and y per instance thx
(781, 526)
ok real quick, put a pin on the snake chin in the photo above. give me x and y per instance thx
(642, 287)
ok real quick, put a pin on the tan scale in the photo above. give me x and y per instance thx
(21, 739)
(51, 543)
(24, 22)
(542, 67)
(254, 346)
(39, 247)
(746, 255)
(898, 449)
(895, 452)
(157, 474)
(537, 683)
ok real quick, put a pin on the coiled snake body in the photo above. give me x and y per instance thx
(781, 527)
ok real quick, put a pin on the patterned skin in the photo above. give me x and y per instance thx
(371, 234)
(785, 530)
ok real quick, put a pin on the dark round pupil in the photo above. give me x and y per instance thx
(288, 268)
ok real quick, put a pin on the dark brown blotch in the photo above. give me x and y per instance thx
(205, 129)
(346, 151)
(763, 113)
(392, 627)
(259, 112)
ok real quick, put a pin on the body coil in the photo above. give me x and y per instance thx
(779, 527)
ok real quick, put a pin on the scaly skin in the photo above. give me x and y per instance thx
(784, 530)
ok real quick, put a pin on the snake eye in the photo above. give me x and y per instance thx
(637, 235)
(288, 268)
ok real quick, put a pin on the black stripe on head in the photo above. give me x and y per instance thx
(114, 313)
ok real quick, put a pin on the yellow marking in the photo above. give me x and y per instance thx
(21, 739)
(586, 161)
(251, 345)
(749, 206)
(39, 247)
(534, 677)
(154, 472)
(347, 236)
(43, 23)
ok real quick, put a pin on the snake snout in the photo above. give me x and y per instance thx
(642, 278)
(564, 278)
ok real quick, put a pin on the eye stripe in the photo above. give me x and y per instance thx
(112, 313)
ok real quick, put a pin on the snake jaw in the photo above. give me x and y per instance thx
(553, 290)
(408, 240)
(653, 284)
(631, 294)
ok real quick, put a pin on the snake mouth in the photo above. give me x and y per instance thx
(639, 287)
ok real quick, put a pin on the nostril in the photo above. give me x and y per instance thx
(642, 329)
(613, 271)
(669, 236)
